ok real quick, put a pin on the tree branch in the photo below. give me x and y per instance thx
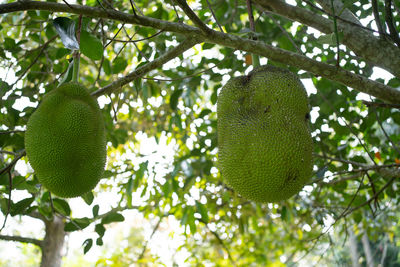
(158, 62)
(193, 17)
(355, 36)
(21, 239)
(347, 78)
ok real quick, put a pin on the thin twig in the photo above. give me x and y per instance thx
(193, 17)
(68, 4)
(151, 236)
(139, 72)
(377, 19)
(11, 132)
(214, 16)
(176, 11)
(133, 8)
(9, 200)
(335, 27)
(115, 35)
(135, 41)
(389, 22)
(138, 9)
(43, 47)
(385, 133)
(181, 78)
(9, 166)
(381, 105)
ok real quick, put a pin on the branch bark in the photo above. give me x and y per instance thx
(363, 43)
(347, 78)
(21, 239)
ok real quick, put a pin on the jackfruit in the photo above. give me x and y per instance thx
(264, 140)
(65, 141)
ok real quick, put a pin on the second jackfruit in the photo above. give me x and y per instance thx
(265, 145)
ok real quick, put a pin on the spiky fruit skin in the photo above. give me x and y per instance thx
(264, 140)
(65, 141)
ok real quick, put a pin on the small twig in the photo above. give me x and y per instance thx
(9, 200)
(283, 30)
(377, 19)
(385, 133)
(9, 166)
(8, 152)
(114, 35)
(151, 236)
(135, 41)
(138, 9)
(176, 11)
(389, 22)
(68, 4)
(44, 46)
(139, 72)
(190, 13)
(221, 242)
(133, 8)
(373, 190)
(11, 132)
(381, 105)
(214, 16)
(336, 35)
(181, 78)
(372, 198)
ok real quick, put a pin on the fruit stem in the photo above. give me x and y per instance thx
(256, 60)
(75, 74)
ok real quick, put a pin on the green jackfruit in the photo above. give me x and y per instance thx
(65, 141)
(264, 140)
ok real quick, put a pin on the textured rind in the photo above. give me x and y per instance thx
(65, 141)
(265, 145)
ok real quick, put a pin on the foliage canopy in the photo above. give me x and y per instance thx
(156, 68)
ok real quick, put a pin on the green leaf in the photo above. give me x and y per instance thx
(95, 210)
(65, 27)
(173, 100)
(203, 211)
(91, 46)
(88, 198)
(99, 241)
(87, 245)
(76, 224)
(119, 64)
(21, 206)
(68, 75)
(112, 217)
(61, 206)
(100, 229)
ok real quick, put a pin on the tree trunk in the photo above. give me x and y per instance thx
(367, 250)
(353, 249)
(53, 243)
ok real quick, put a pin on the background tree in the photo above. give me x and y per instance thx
(156, 68)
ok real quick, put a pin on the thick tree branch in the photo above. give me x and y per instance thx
(374, 50)
(347, 78)
(158, 62)
(21, 239)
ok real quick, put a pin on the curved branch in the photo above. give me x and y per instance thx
(158, 62)
(363, 42)
(21, 239)
(347, 78)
